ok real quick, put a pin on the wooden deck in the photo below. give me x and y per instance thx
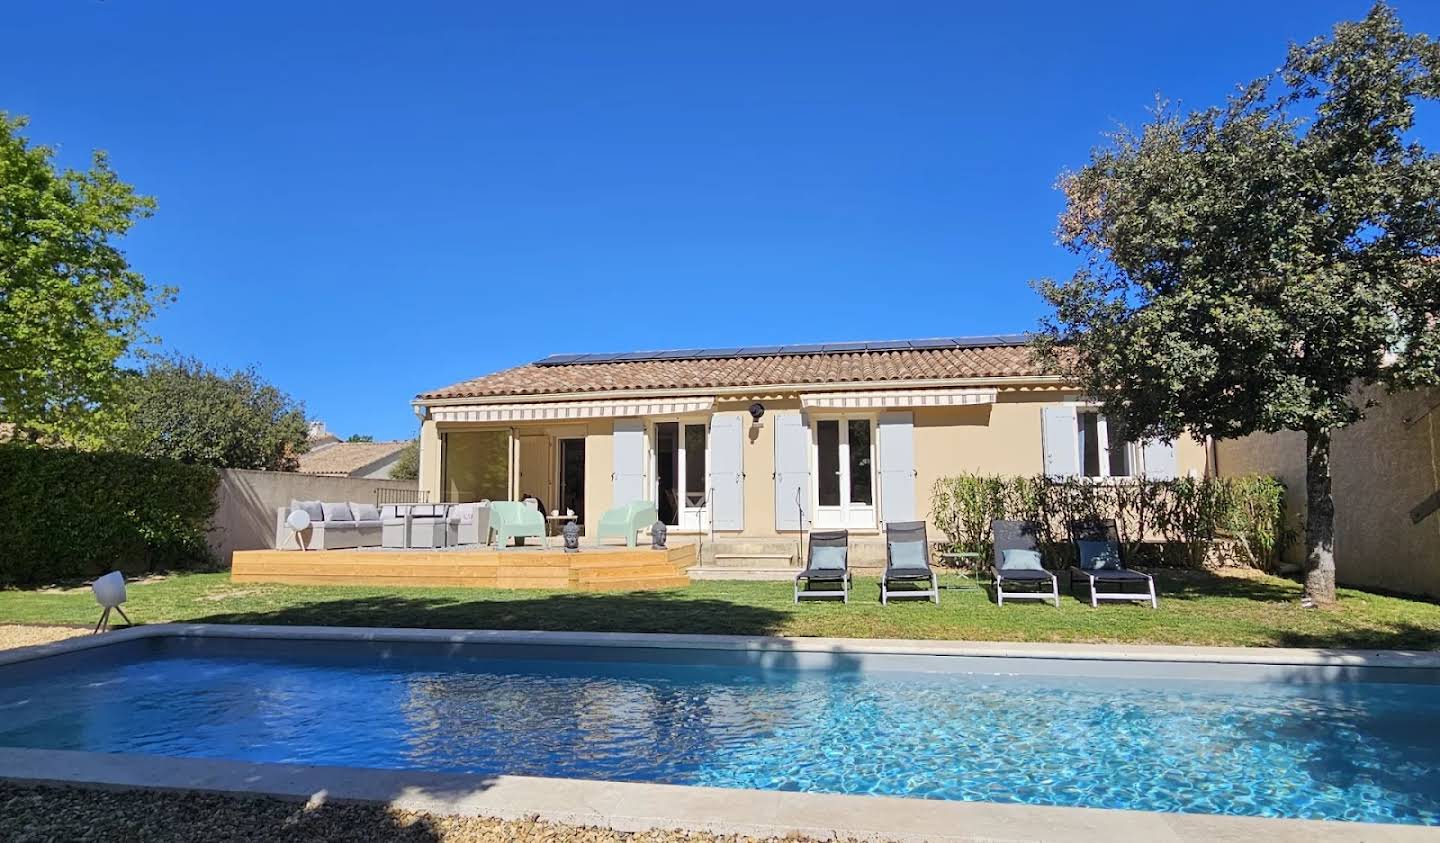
(592, 569)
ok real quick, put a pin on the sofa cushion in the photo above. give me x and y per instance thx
(1099, 556)
(1014, 559)
(311, 508)
(337, 511)
(365, 511)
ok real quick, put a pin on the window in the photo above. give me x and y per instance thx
(694, 465)
(1103, 453)
(862, 490)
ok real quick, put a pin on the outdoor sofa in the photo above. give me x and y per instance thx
(333, 525)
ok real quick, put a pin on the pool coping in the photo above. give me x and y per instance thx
(633, 806)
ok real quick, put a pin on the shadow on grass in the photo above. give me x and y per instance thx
(655, 611)
(1181, 584)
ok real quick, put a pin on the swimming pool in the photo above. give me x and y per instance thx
(1158, 736)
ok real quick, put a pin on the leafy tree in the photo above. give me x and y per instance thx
(360, 437)
(1247, 267)
(70, 305)
(407, 467)
(180, 409)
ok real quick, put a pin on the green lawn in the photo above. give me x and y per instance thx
(1195, 608)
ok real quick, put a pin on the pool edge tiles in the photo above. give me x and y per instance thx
(630, 806)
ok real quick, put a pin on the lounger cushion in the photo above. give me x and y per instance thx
(1099, 556)
(1025, 575)
(827, 558)
(1021, 560)
(311, 508)
(907, 555)
(365, 511)
(337, 512)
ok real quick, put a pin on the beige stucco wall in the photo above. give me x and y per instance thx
(246, 502)
(429, 463)
(1000, 438)
(1382, 467)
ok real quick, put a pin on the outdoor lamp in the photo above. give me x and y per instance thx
(757, 410)
(110, 593)
(298, 522)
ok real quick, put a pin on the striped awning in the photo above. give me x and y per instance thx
(880, 399)
(567, 410)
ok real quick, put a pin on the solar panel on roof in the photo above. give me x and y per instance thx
(558, 359)
(891, 345)
(715, 353)
(674, 354)
(932, 343)
(814, 348)
(841, 347)
(759, 350)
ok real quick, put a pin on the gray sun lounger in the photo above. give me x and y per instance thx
(1020, 535)
(830, 565)
(907, 565)
(1121, 577)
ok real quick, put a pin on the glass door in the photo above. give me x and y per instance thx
(681, 474)
(845, 473)
(572, 478)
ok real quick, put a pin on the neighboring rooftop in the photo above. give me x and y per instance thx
(343, 459)
(894, 360)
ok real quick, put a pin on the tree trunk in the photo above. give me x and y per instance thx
(1319, 519)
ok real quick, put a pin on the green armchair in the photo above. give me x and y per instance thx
(626, 521)
(512, 519)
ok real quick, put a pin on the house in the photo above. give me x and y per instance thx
(761, 443)
(328, 455)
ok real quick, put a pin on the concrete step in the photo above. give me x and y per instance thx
(752, 560)
(774, 573)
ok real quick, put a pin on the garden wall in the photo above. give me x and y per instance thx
(1383, 467)
(246, 502)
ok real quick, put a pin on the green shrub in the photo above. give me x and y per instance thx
(70, 514)
(1188, 514)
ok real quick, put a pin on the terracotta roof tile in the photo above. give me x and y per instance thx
(345, 457)
(996, 361)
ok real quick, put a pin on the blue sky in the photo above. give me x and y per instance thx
(370, 199)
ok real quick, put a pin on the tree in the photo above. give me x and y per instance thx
(407, 466)
(360, 437)
(1248, 267)
(70, 305)
(180, 409)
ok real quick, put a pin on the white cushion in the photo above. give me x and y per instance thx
(310, 508)
(365, 511)
(337, 512)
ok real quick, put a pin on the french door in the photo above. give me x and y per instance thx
(681, 474)
(845, 472)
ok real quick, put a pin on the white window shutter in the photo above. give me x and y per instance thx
(792, 472)
(1159, 460)
(1058, 437)
(727, 473)
(897, 467)
(629, 452)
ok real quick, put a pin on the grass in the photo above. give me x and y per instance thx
(1195, 608)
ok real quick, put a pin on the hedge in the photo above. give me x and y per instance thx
(1177, 521)
(68, 515)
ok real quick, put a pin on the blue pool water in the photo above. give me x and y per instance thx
(1344, 751)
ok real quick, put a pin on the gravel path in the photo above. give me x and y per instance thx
(12, 635)
(35, 814)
